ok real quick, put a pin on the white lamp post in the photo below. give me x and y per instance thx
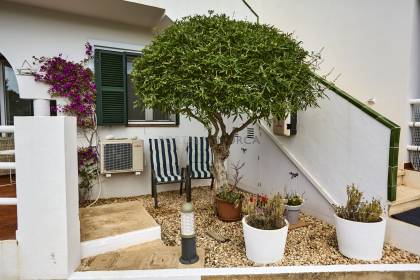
(189, 252)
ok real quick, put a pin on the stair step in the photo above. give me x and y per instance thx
(114, 226)
(407, 198)
(412, 178)
(151, 255)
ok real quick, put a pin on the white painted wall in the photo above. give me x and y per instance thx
(48, 200)
(9, 260)
(370, 43)
(337, 144)
(38, 32)
(181, 8)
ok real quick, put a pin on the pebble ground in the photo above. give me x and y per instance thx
(314, 244)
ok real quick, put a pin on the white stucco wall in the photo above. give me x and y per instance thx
(47, 190)
(369, 43)
(337, 144)
(181, 8)
(37, 32)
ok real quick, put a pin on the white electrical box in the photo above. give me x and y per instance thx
(285, 127)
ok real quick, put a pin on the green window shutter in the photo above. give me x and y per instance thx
(110, 78)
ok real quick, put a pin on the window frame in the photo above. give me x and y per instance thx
(4, 108)
(148, 112)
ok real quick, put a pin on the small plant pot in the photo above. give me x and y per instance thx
(362, 241)
(227, 212)
(292, 213)
(264, 246)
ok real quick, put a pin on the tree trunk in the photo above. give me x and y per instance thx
(219, 172)
(220, 154)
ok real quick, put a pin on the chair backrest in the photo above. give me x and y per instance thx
(164, 159)
(199, 157)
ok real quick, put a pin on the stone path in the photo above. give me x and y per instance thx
(151, 255)
(113, 219)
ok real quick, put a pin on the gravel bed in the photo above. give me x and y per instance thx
(314, 244)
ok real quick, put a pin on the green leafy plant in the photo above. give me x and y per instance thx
(231, 193)
(294, 199)
(217, 70)
(358, 209)
(265, 213)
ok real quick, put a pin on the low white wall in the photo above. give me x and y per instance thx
(9, 260)
(371, 44)
(48, 201)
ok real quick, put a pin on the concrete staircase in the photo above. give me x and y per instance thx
(123, 236)
(401, 234)
(115, 226)
(408, 192)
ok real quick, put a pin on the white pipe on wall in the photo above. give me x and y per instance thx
(8, 200)
(7, 128)
(7, 165)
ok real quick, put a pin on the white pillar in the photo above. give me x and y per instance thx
(41, 107)
(47, 192)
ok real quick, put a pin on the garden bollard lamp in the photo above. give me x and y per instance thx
(188, 246)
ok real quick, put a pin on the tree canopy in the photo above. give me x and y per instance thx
(210, 67)
(213, 68)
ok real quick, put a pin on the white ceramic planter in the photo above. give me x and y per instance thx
(292, 213)
(264, 246)
(363, 241)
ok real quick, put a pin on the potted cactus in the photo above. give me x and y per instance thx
(360, 226)
(265, 228)
(229, 198)
(293, 206)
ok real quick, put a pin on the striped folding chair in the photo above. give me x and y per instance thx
(199, 162)
(164, 163)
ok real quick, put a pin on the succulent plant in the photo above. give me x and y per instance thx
(294, 199)
(265, 213)
(358, 209)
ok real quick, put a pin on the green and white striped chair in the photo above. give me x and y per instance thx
(199, 161)
(164, 163)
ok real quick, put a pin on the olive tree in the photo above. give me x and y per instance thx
(215, 69)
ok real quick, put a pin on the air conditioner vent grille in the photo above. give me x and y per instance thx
(118, 156)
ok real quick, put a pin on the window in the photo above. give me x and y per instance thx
(10, 103)
(115, 93)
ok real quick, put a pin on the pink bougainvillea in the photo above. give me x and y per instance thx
(71, 80)
(74, 81)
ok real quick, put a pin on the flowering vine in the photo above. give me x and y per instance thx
(74, 81)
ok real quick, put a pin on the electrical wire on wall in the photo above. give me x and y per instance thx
(98, 175)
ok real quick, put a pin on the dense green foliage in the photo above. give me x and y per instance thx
(210, 67)
(359, 210)
(294, 199)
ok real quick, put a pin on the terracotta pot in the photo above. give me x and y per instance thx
(227, 211)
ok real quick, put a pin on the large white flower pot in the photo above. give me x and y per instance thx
(363, 241)
(264, 246)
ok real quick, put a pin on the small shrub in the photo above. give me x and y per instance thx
(265, 213)
(358, 209)
(294, 199)
(230, 193)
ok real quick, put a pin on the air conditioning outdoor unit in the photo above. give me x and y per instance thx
(122, 155)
